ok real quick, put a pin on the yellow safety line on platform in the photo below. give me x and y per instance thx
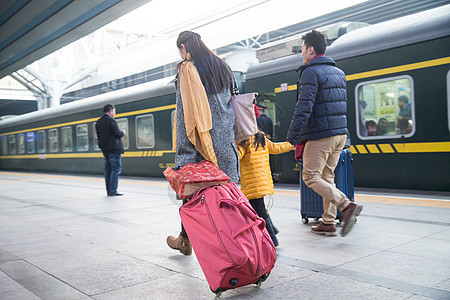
(382, 199)
(278, 192)
(81, 178)
(403, 201)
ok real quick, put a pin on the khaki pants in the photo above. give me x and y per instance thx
(320, 158)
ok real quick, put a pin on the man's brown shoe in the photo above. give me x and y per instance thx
(180, 243)
(349, 215)
(327, 229)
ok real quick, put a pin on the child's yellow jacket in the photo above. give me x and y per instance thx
(256, 177)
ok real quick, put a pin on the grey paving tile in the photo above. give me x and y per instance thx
(427, 247)
(112, 275)
(420, 214)
(436, 294)
(410, 228)
(176, 286)
(14, 231)
(115, 247)
(12, 290)
(422, 271)
(155, 250)
(38, 282)
(325, 286)
(58, 252)
(372, 238)
(445, 285)
(417, 297)
(443, 235)
(7, 256)
(331, 251)
(282, 273)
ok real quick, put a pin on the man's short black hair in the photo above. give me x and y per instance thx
(108, 108)
(317, 40)
(403, 99)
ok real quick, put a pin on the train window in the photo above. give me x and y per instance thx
(30, 142)
(53, 140)
(21, 143)
(67, 139)
(145, 137)
(4, 145)
(82, 138)
(40, 140)
(94, 134)
(12, 144)
(385, 108)
(123, 125)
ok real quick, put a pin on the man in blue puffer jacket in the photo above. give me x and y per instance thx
(320, 122)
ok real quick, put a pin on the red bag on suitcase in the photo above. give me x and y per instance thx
(230, 241)
(192, 177)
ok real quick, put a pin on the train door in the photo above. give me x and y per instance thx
(276, 108)
(285, 97)
(268, 123)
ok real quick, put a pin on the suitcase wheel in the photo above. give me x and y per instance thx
(263, 278)
(234, 281)
(305, 220)
(218, 292)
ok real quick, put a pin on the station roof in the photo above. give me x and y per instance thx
(30, 30)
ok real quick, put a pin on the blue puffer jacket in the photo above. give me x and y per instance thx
(321, 106)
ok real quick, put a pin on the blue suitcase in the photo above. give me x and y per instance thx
(311, 203)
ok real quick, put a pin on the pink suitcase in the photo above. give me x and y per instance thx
(230, 241)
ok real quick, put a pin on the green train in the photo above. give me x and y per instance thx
(407, 57)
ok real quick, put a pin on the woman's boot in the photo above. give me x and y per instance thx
(180, 243)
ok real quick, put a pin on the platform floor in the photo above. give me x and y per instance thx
(62, 238)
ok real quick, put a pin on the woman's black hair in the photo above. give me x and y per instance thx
(260, 140)
(215, 74)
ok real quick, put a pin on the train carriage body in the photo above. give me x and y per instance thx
(407, 57)
(65, 138)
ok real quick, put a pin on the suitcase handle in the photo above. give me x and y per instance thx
(247, 211)
(233, 195)
(258, 223)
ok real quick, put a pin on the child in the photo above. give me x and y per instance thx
(256, 177)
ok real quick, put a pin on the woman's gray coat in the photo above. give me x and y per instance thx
(222, 135)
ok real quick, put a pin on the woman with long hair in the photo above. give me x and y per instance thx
(204, 115)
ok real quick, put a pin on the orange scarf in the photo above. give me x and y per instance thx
(197, 113)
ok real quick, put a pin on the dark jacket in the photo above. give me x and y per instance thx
(109, 135)
(321, 106)
(265, 124)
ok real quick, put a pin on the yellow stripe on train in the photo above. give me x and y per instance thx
(86, 155)
(385, 71)
(401, 148)
(91, 120)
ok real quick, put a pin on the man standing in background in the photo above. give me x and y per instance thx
(265, 123)
(110, 141)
